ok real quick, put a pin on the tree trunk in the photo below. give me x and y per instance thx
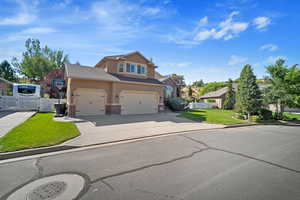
(249, 118)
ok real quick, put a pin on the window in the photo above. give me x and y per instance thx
(141, 69)
(127, 67)
(132, 68)
(121, 67)
(26, 89)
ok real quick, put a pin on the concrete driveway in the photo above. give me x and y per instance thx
(10, 119)
(104, 129)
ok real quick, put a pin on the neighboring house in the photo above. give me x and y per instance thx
(4, 85)
(218, 96)
(122, 84)
(172, 87)
(54, 80)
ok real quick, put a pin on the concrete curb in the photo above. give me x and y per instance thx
(30, 152)
(56, 148)
(260, 124)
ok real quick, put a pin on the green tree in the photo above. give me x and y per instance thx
(190, 92)
(37, 61)
(229, 97)
(7, 71)
(212, 86)
(285, 86)
(179, 79)
(199, 83)
(248, 95)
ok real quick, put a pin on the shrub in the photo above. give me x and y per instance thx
(278, 116)
(255, 118)
(240, 116)
(285, 117)
(265, 114)
(177, 104)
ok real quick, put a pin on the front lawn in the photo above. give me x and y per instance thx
(39, 131)
(292, 115)
(215, 116)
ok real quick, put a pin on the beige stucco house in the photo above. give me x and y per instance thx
(122, 84)
(171, 87)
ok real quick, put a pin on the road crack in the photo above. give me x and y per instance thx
(149, 166)
(39, 167)
(242, 155)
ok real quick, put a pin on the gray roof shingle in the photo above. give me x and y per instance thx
(85, 72)
(139, 80)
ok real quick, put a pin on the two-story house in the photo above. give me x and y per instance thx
(122, 84)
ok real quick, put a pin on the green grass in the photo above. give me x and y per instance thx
(292, 115)
(39, 131)
(215, 116)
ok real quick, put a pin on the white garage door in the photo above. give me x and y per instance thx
(90, 101)
(138, 103)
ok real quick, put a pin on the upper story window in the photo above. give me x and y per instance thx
(141, 69)
(132, 68)
(121, 67)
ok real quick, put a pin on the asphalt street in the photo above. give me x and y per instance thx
(258, 162)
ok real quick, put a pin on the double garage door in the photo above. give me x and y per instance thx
(93, 101)
(138, 103)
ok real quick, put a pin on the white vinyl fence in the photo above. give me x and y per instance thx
(200, 105)
(27, 103)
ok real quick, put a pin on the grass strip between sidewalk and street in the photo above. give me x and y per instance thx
(38, 131)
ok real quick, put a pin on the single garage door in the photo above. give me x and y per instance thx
(138, 103)
(90, 101)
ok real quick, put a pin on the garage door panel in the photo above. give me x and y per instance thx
(139, 103)
(90, 101)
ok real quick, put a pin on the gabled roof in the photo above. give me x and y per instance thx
(215, 94)
(6, 81)
(86, 72)
(222, 91)
(98, 74)
(123, 56)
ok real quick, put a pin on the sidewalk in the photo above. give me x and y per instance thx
(9, 120)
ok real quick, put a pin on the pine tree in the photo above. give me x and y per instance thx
(248, 95)
(229, 97)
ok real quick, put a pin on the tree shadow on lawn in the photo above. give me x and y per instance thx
(196, 115)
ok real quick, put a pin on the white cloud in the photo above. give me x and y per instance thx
(177, 64)
(20, 19)
(64, 3)
(27, 33)
(235, 60)
(261, 22)
(273, 59)
(38, 30)
(117, 15)
(203, 21)
(269, 47)
(226, 30)
(25, 16)
(204, 35)
(152, 11)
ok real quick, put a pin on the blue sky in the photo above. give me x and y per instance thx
(201, 39)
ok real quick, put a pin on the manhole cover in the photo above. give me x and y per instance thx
(57, 187)
(47, 191)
